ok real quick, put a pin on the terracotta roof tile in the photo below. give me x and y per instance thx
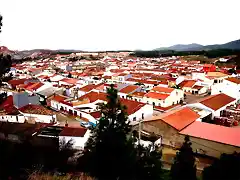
(234, 80)
(156, 95)
(217, 101)
(138, 94)
(162, 89)
(35, 109)
(213, 132)
(70, 80)
(58, 98)
(178, 119)
(87, 88)
(129, 89)
(34, 86)
(73, 131)
(187, 83)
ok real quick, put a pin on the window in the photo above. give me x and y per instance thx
(142, 115)
(134, 119)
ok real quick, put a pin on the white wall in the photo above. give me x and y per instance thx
(9, 118)
(40, 118)
(228, 88)
(147, 110)
(78, 142)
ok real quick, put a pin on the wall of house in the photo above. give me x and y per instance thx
(228, 88)
(87, 116)
(211, 148)
(203, 90)
(170, 136)
(9, 118)
(40, 118)
(146, 112)
(78, 142)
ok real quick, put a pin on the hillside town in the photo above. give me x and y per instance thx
(60, 96)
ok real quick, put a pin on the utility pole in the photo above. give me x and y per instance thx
(139, 132)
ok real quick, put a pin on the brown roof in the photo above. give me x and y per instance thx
(73, 131)
(213, 132)
(129, 89)
(217, 101)
(58, 98)
(93, 96)
(138, 94)
(187, 83)
(234, 80)
(162, 89)
(197, 87)
(216, 74)
(156, 95)
(87, 88)
(178, 119)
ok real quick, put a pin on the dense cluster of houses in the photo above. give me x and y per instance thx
(155, 92)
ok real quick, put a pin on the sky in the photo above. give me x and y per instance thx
(117, 24)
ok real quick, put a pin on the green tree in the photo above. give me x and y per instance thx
(69, 75)
(5, 64)
(227, 167)
(0, 23)
(111, 151)
(149, 165)
(184, 164)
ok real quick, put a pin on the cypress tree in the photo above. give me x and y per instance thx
(184, 164)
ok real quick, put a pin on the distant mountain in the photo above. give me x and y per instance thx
(198, 47)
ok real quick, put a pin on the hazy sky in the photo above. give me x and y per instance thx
(117, 24)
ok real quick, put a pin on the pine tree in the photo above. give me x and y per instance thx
(149, 165)
(110, 152)
(184, 164)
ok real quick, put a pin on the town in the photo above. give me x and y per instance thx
(60, 96)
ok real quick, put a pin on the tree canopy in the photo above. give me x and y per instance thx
(0, 23)
(184, 164)
(227, 167)
(111, 151)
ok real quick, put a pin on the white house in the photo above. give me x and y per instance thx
(230, 87)
(78, 136)
(214, 103)
(164, 97)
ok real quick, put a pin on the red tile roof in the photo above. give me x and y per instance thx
(58, 98)
(87, 88)
(217, 101)
(129, 89)
(213, 132)
(7, 102)
(34, 86)
(73, 131)
(70, 80)
(15, 82)
(162, 89)
(156, 95)
(132, 106)
(42, 77)
(96, 114)
(94, 96)
(138, 94)
(234, 80)
(178, 119)
(35, 109)
(187, 83)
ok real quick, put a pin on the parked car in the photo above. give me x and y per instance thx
(85, 124)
